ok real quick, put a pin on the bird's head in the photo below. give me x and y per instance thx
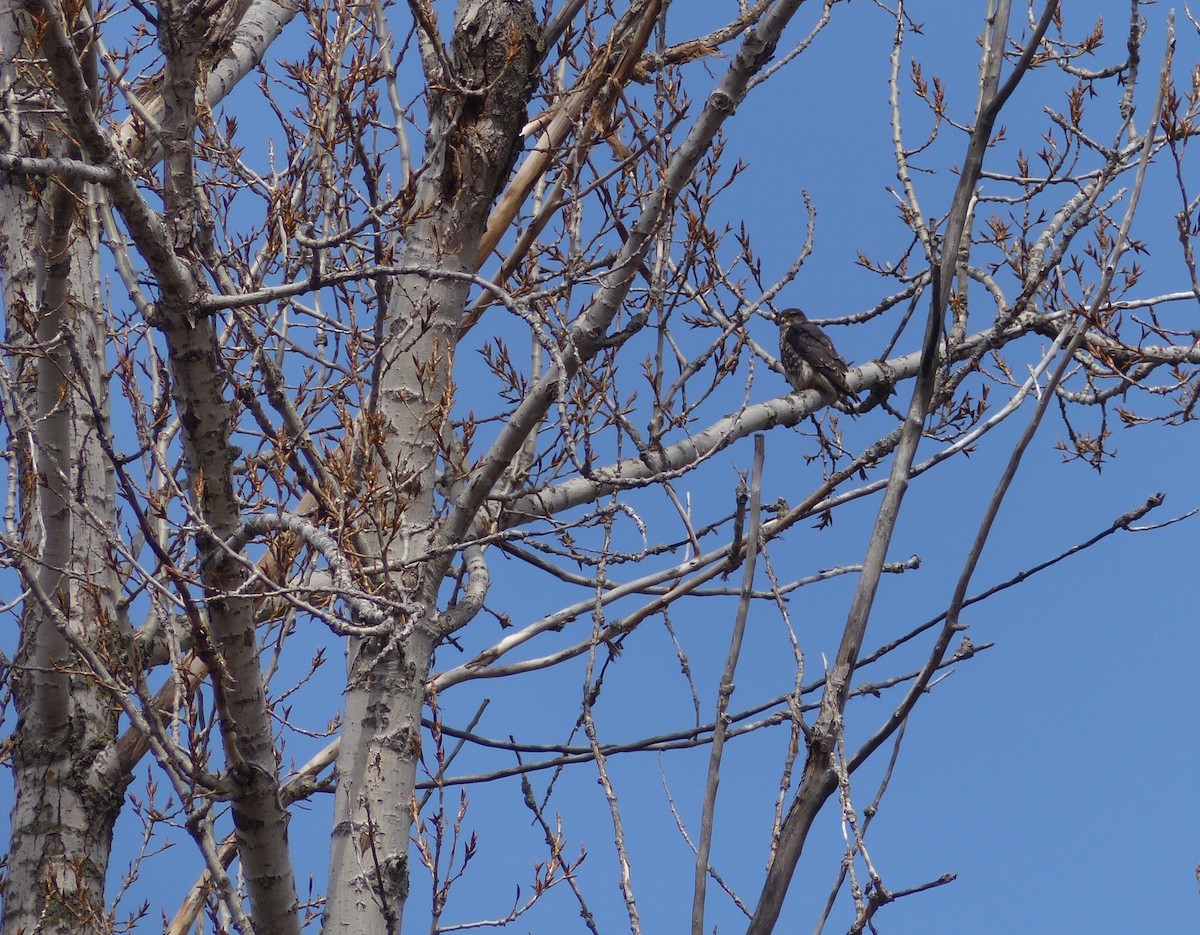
(790, 316)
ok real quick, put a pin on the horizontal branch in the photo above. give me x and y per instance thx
(57, 167)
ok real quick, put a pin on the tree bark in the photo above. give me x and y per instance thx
(65, 798)
(476, 112)
(227, 642)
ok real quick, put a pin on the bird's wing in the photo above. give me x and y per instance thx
(814, 345)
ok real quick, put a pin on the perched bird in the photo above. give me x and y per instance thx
(810, 361)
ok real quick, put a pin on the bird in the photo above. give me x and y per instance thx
(809, 359)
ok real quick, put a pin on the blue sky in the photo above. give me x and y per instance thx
(1055, 772)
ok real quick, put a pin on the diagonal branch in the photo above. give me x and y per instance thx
(819, 780)
(588, 333)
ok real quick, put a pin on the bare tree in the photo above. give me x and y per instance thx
(293, 370)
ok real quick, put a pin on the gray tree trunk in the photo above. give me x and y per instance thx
(475, 119)
(67, 795)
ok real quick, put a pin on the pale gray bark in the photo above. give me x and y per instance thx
(262, 23)
(474, 123)
(65, 801)
(225, 630)
(421, 325)
(229, 646)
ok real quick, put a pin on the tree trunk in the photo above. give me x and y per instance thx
(66, 797)
(475, 118)
(227, 642)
